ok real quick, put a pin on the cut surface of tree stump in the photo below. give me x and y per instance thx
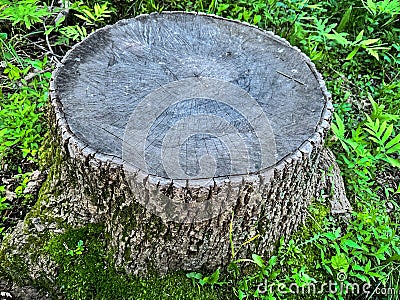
(170, 129)
(189, 101)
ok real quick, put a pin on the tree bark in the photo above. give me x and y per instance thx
(155, 220)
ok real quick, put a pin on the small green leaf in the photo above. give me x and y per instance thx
(340, 262)
(369, 42)
(89, 14)
(213, 279)
(330, 235)
(338, 37)
(352, 53)
(272, 261)
(352, 244)
(258, 260)
(393, 142)
(194, 275)
(394, 162)
(373, 52)
(387, 134)
(357, 268)
(241, 295)
(368, 266)
(256, 19)
(360, 36)
(338, 128)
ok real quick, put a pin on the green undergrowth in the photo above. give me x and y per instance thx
(86, 272)
(356, 46)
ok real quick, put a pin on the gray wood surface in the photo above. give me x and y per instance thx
(188, 96)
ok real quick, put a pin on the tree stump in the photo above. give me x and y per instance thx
(177, 131)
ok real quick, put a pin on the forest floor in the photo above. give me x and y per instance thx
(354, 43)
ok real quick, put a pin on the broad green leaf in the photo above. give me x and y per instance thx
(371, 6)
(256, 19)
(369, 42)
(241, 294)
(379, 256)
(368, 266)
(394, 162)
(194, 275)
(387, 134)
(213, 279)
(373, 53)
(258, 260)
(338, 38)
(3, 131)
(272, 261)
(360, 36)
(345, 20)
(393, 142)
(351, 244)
(352, 53)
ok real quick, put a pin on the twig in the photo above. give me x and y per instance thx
(47, 39)
(288, 76)
(33, 74)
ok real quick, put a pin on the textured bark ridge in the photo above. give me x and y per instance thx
(171, 128)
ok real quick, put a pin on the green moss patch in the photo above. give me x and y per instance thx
(87, 272)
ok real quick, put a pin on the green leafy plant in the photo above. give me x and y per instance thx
(74, 33)
(367, 44)
(389, 8)
(26, 12)
(211, 280)
(19, 117)
(3, 203)
(367, 250)
(373, 140)
(94, 16)
(357, 47)
(77, 251)
(380, 134)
